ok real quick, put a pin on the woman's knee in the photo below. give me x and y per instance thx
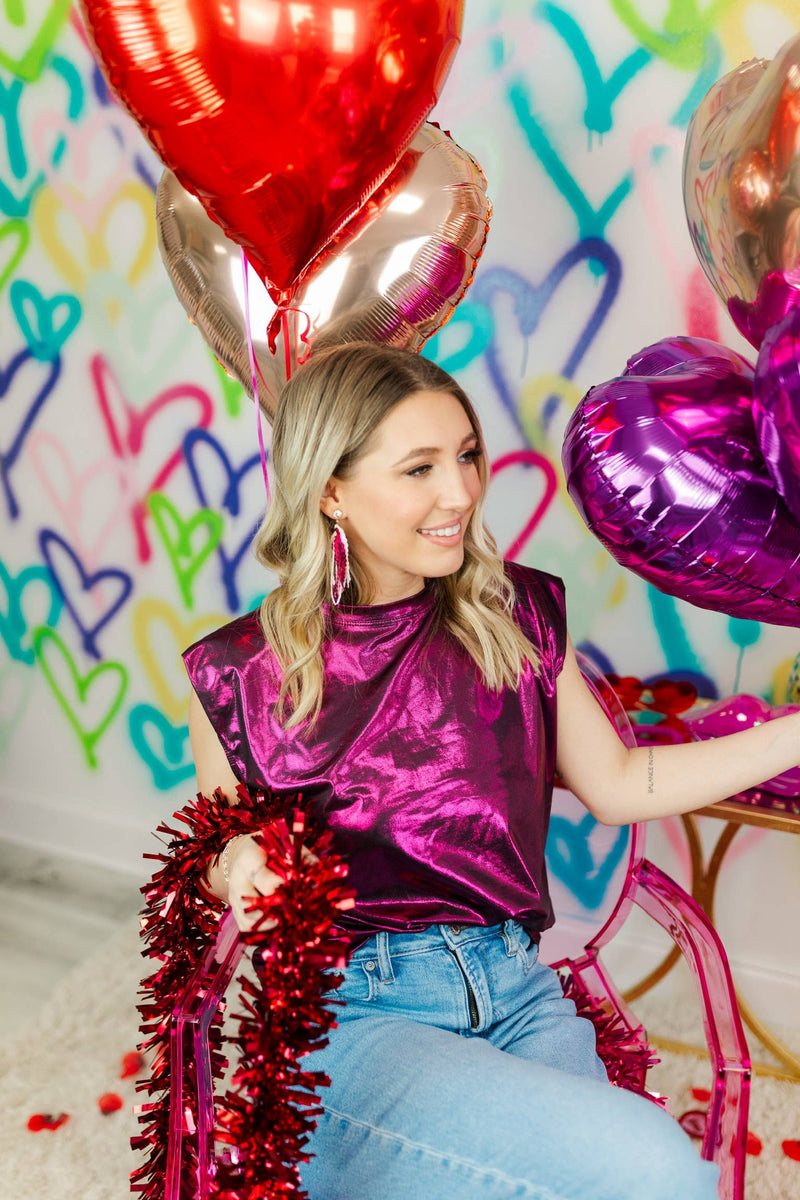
(666, 1164)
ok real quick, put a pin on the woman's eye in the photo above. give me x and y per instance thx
(469, 456)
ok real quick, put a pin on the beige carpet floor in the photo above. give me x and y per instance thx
(69, 1054)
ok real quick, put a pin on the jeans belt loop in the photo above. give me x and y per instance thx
(384, 957)
(512, 932)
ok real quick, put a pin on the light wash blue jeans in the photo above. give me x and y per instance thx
(459, 1071)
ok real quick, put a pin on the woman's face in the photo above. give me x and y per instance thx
(420, 475)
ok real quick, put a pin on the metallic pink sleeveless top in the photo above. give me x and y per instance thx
(437, 790)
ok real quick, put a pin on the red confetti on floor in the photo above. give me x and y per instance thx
(693, 1122)
(791, 1148)
(109, 1102)
(40, 1121)
(754, 1144)
(132, 1064)
(701, 1094)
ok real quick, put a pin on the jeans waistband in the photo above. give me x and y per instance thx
(382, 945)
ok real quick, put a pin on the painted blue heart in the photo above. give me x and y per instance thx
(10, 390)
(13, 623)
(227, 501)
(45, 324)
(570, 858)
(530, 301)
(167, 760)
(49, 541)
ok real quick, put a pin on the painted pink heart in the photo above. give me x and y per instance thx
(127, 427)
(692, 291)
(105, 141)
(530, 458)
(68, 489)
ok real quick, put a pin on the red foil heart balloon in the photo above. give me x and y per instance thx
(282, 117)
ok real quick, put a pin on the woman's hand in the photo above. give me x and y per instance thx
(250, 877)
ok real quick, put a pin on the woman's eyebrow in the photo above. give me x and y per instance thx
(472, 436)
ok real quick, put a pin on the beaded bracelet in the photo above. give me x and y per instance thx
(223, 858)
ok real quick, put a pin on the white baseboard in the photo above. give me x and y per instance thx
(770, 990)
(85, 834)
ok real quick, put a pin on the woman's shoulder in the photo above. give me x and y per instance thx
(532, 585)
(540, 610)
(238, 640)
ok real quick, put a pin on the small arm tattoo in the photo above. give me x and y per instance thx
(650, 770)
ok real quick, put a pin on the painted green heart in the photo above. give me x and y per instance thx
(32, 33)
(14, 240)
(55, 661)
(180, 539)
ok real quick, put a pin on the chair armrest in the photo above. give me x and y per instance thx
(192, 1015)
(725, 1138)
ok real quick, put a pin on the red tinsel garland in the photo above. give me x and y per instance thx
(626, 1057)
(284, 1014)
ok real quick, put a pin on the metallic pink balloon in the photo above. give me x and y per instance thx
(743, 712)
(665, 468)
(776, 407)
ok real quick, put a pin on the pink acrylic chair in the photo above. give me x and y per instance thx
(636, 882)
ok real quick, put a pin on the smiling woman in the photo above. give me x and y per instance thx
(415, 711)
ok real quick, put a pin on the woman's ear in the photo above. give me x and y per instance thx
(330, 500)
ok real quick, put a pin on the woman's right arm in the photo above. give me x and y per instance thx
(248, 874)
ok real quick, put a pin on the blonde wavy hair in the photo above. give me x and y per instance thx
(325, 421)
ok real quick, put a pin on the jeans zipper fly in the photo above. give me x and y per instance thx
(474, 1016)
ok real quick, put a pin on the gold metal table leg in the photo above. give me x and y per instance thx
(704, 884)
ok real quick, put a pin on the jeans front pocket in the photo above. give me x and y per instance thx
(358, 985)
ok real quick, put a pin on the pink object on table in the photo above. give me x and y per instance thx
(743, 712)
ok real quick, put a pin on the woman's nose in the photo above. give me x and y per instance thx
(454, 492)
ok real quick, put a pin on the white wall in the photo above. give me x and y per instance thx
(94, 248)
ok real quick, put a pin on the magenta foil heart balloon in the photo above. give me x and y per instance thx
(664, 465)
(742, 712)
(776, 407)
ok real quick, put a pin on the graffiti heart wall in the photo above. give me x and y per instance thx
(130, 481)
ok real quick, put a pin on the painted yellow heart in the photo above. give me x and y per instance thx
(102, 251)
(159, 635)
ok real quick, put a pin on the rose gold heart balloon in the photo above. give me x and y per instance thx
(395, 276)
(741, 186)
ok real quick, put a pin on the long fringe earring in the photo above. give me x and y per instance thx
(340, 560)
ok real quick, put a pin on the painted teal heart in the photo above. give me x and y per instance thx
(45, 324)
(16, 689)
(161, 745)
(571, 859)
(456, 353)
(13, 623)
